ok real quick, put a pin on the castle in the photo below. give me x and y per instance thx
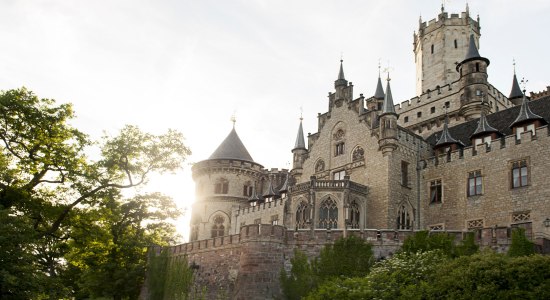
(460, 156)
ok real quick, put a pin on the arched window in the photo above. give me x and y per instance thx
(328, 214)
(302, 215)
(218, 229)
(354, 215)
(221, 186)
(404, 220)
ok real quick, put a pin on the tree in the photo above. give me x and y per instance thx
(301, 279)
(46, 176)
(169, 277)
(347, 257)
(521, 245)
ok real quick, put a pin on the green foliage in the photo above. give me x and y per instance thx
(521, 245)
(348, 257)
(426, 241)
(71, 230)
(301, 278)
(388, 279)
(168, 277)
(467, 246)
(488, 275)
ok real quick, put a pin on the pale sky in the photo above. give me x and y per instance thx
(190, 65)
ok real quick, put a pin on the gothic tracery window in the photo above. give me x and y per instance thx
(404, 219)
(328, 214)
(354, 215)
(302, 215)
(218, 228)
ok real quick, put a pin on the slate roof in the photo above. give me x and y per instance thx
(232, 148)
(525, 113)
(516, 91)
(379, 94)
(499, 120)
(388, 107)
(446, 138)
(300, 141)
(472, 54)
(483, 127)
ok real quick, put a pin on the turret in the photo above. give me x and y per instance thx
(526, 120)
(473, 79)
(484, 132)
(343, 90)
(298, 153)
(387, 141)
(516, 96)
(446, 142)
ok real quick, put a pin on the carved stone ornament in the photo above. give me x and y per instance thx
(320, 166)
(338, 135)
(358, 154)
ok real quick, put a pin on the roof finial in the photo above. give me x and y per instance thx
(514, 64)
(443, 5)
(467, 8)
(379, 67)
(233, 119)
(301, 113)
(387, 70)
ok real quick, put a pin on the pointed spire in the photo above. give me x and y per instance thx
(388, 107)
(379, 94)
(516, 91)
(446, 137)
(472, 49)
(525, 113)
(300, 142)
(341, 73)
(483, 127)
(232, 148)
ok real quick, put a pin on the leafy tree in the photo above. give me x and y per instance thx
(521, 245)
(388, 279)
(301, 278)
(47, 181)
(348, 257)
(169, 277)
(426, 241)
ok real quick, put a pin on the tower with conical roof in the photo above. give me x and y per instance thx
(516, 95)
(299, 153)
(387, 141)
(228, 179)
(439, 45)
(474, 86)
(343, 89)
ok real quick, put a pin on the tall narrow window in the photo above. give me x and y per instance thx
(456, 44)
(221, 186)
(435, 191)
(404, 173)
(432, 110)
(474, 183)
(404, 220)
(519, 173)
(477, 67)
(354, 215)
(339, 149)
(432, 49)
(248, 189)
(302, 215)
(419, 114)
(328, 214)
(218, 229)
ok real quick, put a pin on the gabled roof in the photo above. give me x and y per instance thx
(483, 127)
(499, 120)
(525, 113)
(232, 148)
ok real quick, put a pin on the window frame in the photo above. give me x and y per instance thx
(519, 170)
(405, 173)
(339, 149)
(475, 178)
(436, 186)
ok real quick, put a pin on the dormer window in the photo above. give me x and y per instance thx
(483, 140)
(522, 129)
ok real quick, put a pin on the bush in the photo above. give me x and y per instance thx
(347, 257)
(521, 246)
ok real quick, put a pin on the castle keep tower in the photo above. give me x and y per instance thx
(225, 181)
(439, 45)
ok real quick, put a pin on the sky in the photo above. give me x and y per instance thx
(191, 65)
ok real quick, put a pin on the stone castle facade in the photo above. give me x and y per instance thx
(460, 156)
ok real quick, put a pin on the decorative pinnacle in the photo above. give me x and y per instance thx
(387, 70)
(379, 67)
(514, 64)
(301, 113)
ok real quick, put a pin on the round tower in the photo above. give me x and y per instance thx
(387, 141)
(473, 80)
(223, 182)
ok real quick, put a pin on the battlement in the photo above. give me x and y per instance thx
(444, 19)
(241, 211)
(542, 135)
(536, 96)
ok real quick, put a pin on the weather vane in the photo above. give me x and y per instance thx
(301, 113)
(523, 83)
(514, 64)
(233, 119)
(387, 70)
(379, 66)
